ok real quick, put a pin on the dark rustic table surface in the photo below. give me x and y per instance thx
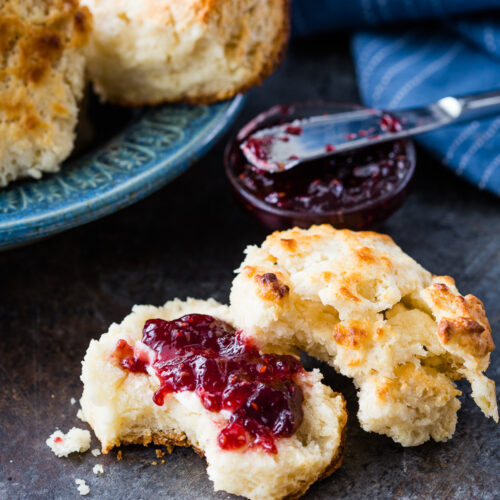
(185, 240)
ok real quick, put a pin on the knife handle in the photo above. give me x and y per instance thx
(471, 107)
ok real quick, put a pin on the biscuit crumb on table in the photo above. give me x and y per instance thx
(98, 469)
(74, 441)
(82, 487)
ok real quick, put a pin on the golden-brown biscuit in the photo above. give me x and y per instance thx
(42, 71)
(200, 51)
(357, 301)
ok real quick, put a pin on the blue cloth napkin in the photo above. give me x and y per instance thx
(451, 47)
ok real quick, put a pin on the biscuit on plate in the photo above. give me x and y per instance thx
(358, 302)
(198, 51)
(42, 70)
(118, 404)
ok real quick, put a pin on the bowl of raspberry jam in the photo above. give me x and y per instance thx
(355, 190)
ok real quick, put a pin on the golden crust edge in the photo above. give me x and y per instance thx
(157, 438)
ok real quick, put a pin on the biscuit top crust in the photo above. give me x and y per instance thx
(173, 12)
(358, 274)
(362, 274)
(271, 286)
(33, 35)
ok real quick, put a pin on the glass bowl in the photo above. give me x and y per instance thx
(367, 214)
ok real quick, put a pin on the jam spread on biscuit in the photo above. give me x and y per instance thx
(202, 354)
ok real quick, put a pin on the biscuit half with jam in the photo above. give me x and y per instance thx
(182, 374)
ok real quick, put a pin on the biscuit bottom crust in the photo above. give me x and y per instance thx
(159, 438)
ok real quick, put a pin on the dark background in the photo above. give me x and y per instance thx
(186, 240)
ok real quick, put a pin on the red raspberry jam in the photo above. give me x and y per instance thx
(390, 123)
(293, 130)
(332, 183)
(259, 146)
(357, 189)
(202, 354)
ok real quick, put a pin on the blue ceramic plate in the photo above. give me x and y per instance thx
(154, 149)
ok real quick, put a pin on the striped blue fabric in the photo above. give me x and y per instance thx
(403, 67)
